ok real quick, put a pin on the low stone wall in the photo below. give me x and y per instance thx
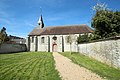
(11, 48)
(105, 51)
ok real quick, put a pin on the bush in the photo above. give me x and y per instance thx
(84, 38)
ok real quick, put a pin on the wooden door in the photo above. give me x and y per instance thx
(54, 47)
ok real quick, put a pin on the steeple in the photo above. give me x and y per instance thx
(40, 22)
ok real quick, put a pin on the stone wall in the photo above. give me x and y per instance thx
(11, 48)
(105, 51)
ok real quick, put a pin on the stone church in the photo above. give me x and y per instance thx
(55, 38)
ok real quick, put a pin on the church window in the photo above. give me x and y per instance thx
(69, 39)
(54, 38)
(42, 40)
(32, 40)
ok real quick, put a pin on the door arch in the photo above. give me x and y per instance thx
(54, 48)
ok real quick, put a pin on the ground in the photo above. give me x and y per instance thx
(48, 66)
(71, 71)
(28, 66)
(104, 70)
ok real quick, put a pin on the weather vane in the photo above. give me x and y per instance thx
(41, 10)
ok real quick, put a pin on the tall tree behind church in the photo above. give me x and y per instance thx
(106, 23)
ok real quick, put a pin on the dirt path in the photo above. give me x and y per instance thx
(71, 71)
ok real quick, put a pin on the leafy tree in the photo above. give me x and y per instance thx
(100, 6)
(106, 23)
(3, 35)
(84, 38)
(116, 21)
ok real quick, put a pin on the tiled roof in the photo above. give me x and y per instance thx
(61, 30)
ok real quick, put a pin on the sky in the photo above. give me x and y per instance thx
(20, 17)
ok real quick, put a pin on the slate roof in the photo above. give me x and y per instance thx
(61, 30)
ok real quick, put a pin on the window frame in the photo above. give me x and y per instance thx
(32, 39)
(42, 40)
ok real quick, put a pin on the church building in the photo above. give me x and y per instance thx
(55, 38)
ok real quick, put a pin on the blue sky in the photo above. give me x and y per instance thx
(21, 16)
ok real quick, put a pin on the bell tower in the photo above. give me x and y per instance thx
(40, 22)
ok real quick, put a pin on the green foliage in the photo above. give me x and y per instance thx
(106, 24)
(28, 66)
(3, 35)
(101, 69)
(84, 38)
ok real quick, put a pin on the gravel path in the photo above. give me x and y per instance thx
(71, 71)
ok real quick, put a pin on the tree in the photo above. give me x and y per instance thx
(100, 6)
(116, 21)
(106, 23)
(84, 38)
(3, 35)
(70, 41)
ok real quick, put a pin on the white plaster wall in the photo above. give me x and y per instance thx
(32, 44)
(104, 51)
(50, 43)
(73, 45)
(27, 42)
(43, 46)
(58, 42)
(66, 45)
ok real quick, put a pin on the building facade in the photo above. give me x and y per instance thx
(55, 38)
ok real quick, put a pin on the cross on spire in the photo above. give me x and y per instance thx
(41, 10)
(40, 21)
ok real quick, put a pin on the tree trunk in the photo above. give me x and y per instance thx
(70, 49)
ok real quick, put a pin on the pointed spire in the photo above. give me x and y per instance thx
(40, 22)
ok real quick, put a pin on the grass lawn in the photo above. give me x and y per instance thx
(28, 66)
(101, 69)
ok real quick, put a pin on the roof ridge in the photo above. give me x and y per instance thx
(73, 29)
(65, 25)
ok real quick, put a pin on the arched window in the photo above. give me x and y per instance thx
(43, 40)
(69, 39)
(32, 39)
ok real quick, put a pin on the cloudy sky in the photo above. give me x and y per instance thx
(21, 16)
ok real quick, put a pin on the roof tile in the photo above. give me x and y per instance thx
(57, 30)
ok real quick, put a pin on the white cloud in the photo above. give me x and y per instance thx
(5, 18)
(29, 23)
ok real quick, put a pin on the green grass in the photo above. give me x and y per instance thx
(28, 66)
(99, 68)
